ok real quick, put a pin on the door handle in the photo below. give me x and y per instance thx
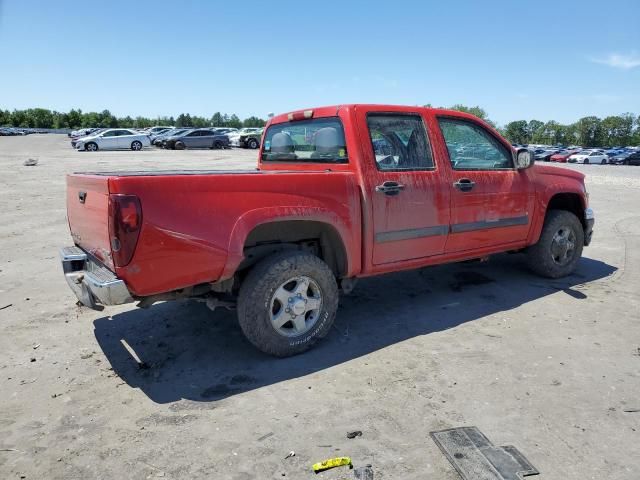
(464, 185)
(390, 188)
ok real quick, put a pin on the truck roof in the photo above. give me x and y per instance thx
(332, 111)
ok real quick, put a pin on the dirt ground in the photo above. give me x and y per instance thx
(552, 367)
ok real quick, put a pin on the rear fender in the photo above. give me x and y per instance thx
(250, 220)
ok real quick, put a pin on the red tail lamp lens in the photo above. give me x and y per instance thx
(125, 221)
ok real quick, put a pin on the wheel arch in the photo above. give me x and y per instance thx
(568, 200)
(253, 240)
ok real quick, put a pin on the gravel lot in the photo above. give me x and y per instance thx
(552, 367)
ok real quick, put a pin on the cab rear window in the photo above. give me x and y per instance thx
(319, 140)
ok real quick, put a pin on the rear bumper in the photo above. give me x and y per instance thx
(589, 220)
(92, 282)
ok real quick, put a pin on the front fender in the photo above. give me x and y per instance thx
(545, 193)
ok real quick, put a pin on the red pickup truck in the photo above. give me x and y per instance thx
(341, 192)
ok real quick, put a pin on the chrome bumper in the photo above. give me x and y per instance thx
(92, 282)
(589, 220)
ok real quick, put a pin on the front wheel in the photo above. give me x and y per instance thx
(603, 162)
(91, 147)
(287, 303)
(559, 248)
(586, 161)
(217, 145)
(253, 143)
(178, 146)
(136, 146)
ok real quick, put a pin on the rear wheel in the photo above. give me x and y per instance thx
(253, 143)
(91, 147)
(287, 303)
(136, 145)
(559, 248)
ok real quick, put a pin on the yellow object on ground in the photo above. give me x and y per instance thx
(331, 463)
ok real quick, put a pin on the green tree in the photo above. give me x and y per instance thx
(535, 129)
(5, 117)
(589, 131)
(617, 129)
(253, 122)
(217, 120)
(74, 118)
(234, 121)
(517, 132)
(184, 120)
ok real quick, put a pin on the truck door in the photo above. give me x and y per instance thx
(491, 201)
(409, 200)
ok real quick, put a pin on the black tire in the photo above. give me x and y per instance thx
(91, 147)
(253, 143)
(217, 145)
(136, 146)
(543, 257)
(179, 146)
(258, 296)
(603, 161)
(586, 161)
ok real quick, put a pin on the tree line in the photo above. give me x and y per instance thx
(612, 131)
(76, 118)
(591, 131)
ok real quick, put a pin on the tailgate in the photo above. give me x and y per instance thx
(88, 213)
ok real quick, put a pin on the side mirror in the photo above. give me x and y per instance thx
(524, 158)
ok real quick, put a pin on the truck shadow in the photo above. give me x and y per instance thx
(187, 352)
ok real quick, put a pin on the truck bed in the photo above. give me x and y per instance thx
(195, 222)
(156, 173)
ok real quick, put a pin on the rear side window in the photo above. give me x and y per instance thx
(399, 142)
(318, 140)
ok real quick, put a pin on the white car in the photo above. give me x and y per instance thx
(589, 156)
(114, 139)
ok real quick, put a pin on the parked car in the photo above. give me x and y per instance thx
(156, 130)
(632, 159)
(280, 243)
(94, 132)
(246, 138)
(544, 154)
(158, 140)
(589, 156)
(198, 138)
(619, 158)
(225, 130)
(562, 156)
(83, 132)
(113, 139)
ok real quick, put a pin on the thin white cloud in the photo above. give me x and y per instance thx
(623, 61)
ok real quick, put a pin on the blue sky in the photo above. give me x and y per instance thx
(547, 60)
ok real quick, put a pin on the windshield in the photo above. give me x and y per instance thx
(319, 140)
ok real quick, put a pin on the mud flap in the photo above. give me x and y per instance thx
(476, 458)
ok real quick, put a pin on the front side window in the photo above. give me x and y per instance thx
(471, 147)
(112, 133)
(399, 142)
(319, 140)
(194, 134)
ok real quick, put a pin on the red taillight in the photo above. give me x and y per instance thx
(125, 221)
